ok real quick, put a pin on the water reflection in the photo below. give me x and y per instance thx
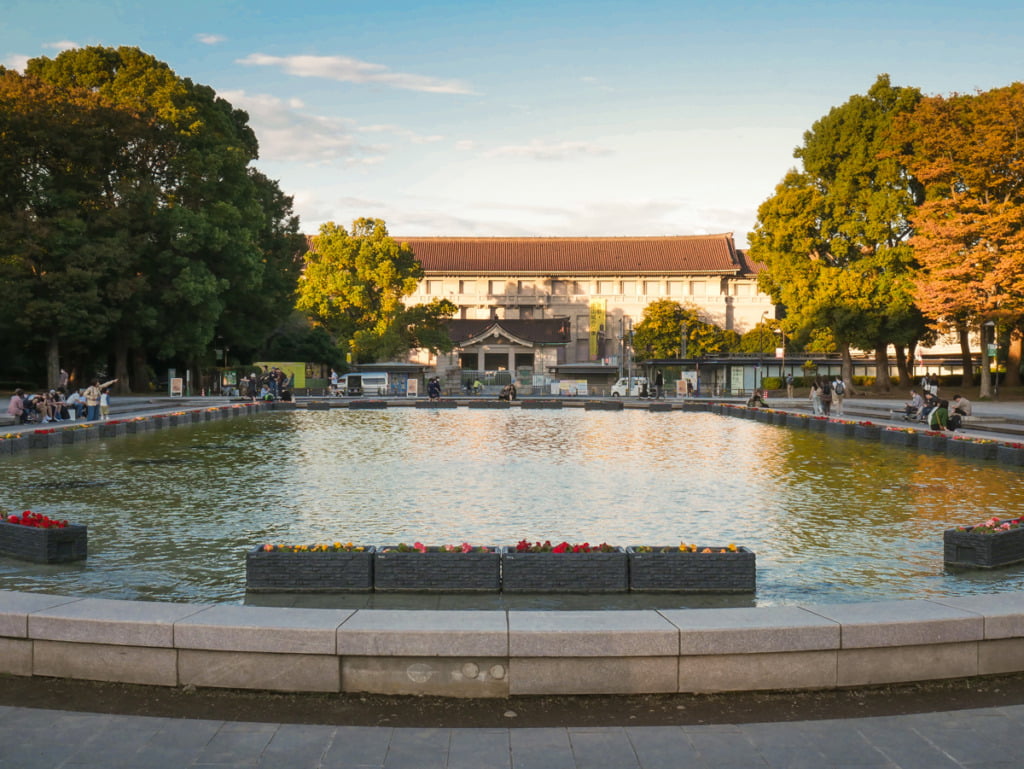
(171, 514)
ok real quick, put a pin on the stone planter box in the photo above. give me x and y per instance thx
(137, 426)
(77, 434)
(762, 416)
(318, 406)
(955, 448)
(436, 404)
(27, 543)
(564, 572)
(46, 440)
(367, 405)
(898, 438)
(210, 416)
(283, 405)
(489, 404)
(659, 407)
(179, 420)
(1010, 455)
(982, 551)
(695, 406)
(840, 429)
(797, 421)
(717, 408)
(780, 418)
(603, 406)
(541, 404)
(327, 572)
(113, 429)
(867, 432)
(926, 442)
(436, 571)
(817, 424)
(980, 450)
(686, 572)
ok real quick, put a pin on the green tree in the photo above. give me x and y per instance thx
(353, 284)
(665, 323)
(835, 235)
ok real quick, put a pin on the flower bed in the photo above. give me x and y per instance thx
(309, 568)
(840, 427)
(564, 568)
(931, 441)
(866, 431)
(445, 568)
(40, 539)
(996, 542)
(45, 438)
(692, 569)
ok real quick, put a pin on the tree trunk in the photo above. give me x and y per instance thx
(123, 384)
(985, 391)
(53, 361)
(140, 372)
(882, 384)
(966, 359)
(1013, 357)
(847, 370)
(906, 378)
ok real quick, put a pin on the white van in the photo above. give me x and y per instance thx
(365, 383)
(630, 386)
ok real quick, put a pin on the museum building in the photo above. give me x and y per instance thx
(534, 306)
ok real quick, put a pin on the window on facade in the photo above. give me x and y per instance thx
(435, 287)
(742, 289)
(560, 287)
(699, 288)
(629, 288)
(496, 287)
(467, 286)
(527, 288)
(652, 288)
(607, 287)
(676, 288)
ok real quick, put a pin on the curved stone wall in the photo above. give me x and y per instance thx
(501, 653)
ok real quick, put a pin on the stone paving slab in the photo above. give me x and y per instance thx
(990, 738)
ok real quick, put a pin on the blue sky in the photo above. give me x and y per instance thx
(529, 118)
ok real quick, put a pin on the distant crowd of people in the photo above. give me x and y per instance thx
(271, 385)
(56, 405)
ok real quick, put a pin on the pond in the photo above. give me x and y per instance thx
(172, 513)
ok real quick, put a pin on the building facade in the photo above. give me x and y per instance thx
(580, 295)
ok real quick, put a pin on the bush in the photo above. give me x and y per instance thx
(772, 383)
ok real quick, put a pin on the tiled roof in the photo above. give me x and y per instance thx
(578, 256)
(538, 331)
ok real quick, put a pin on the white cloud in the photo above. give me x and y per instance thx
(16, 61)
(206, 39)
(540, 150)
(349, 70)
(62, 45)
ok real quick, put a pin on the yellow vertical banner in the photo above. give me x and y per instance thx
(598, 314)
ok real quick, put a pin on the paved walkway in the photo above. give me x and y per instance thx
(991, 738)
(981, 739)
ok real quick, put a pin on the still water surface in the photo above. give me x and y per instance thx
(171, 514)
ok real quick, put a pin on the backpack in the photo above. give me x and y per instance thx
(839, 388)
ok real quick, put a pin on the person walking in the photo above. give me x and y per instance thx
(838, 392)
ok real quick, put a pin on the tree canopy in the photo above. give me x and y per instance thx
(665, 324)
(835, 235)
(353, 284)
(131, 219)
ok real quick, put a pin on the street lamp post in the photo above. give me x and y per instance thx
(760, 360)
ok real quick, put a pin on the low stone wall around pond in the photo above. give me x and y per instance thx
(502, 653)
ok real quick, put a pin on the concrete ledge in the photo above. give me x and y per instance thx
(106, 621)
(758, 672)
(257, 670)
(590, 634)
(105, 662)
(430, 676)
(750, 631)
(901, 623)
(261, 629)
(394, 633)
(593, 675)
(501, 653)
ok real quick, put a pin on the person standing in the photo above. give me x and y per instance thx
(815, 397)
(789, 385)
(92, 399)
(104, 403)
(16, 408)
(659, 385)
(826, 396)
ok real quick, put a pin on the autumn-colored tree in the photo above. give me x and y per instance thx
(834, 236)
(968, 151)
